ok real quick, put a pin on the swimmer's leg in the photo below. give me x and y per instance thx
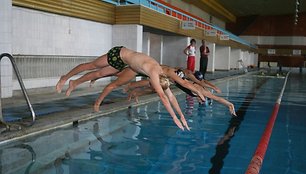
(100, 62)
(106, 71)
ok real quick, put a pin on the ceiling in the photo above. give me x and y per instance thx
(262, 7)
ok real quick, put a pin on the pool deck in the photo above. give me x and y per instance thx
(75, 113)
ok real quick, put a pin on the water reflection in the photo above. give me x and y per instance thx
(11, 156)
(189, 105)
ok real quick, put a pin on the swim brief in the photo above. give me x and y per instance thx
(182, 75)
(114, 59)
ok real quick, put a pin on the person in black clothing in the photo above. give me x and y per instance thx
(204, 51)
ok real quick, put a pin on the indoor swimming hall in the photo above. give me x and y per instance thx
(152, 87)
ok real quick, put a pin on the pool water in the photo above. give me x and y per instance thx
(144, 139)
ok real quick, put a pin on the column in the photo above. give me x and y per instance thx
(223, 56)
(146, 43)
(211, 57)
(155, 46)
(6, 82)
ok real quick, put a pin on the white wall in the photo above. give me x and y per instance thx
(41, 33)
(130, 36)
(156, 46)
(173, 54)
(276, 40)
(222, 59)
(6, 47)
(31, 32)
(246, 58)
(236, 54)
(146, 43)
(255, 58)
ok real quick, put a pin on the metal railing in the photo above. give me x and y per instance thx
(23, 89)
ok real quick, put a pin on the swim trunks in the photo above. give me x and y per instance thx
(114, 59)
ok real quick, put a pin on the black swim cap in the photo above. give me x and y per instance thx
(198, 75)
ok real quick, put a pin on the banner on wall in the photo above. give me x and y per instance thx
(271, 51)
(296, 52)
(188, 25)
(224, 37)
(212, 32)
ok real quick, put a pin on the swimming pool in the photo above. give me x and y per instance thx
(144, 139)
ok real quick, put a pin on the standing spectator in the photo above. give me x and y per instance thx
(204, 51)
(190, 51)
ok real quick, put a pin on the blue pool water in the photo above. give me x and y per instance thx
(144, 139)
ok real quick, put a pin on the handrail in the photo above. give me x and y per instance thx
(33, 155)
(258, 157)
(23, 89)
(202, 24)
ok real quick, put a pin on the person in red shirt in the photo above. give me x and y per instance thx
(190, 51)
(204, 51)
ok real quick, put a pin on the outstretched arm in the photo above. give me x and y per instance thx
(154, 81)
(186, 84)
(176, 106)
(207, 84)
(203, 83)
(220, 100)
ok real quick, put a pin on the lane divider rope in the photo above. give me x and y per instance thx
(258, 157)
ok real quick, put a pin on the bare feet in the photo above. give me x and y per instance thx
(60, 84)
(72, 85)
(132, 95)
(92, 82)
(97, 105)
(126, 88)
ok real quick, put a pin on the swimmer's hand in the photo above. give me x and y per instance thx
(183, 120)
(132, 95)
(178, 123)
(201, 96)
(217, 90)
(232, 109)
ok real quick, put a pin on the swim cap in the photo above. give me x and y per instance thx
(180, 73)
(198, 75)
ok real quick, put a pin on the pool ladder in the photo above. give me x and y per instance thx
(23, 89)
